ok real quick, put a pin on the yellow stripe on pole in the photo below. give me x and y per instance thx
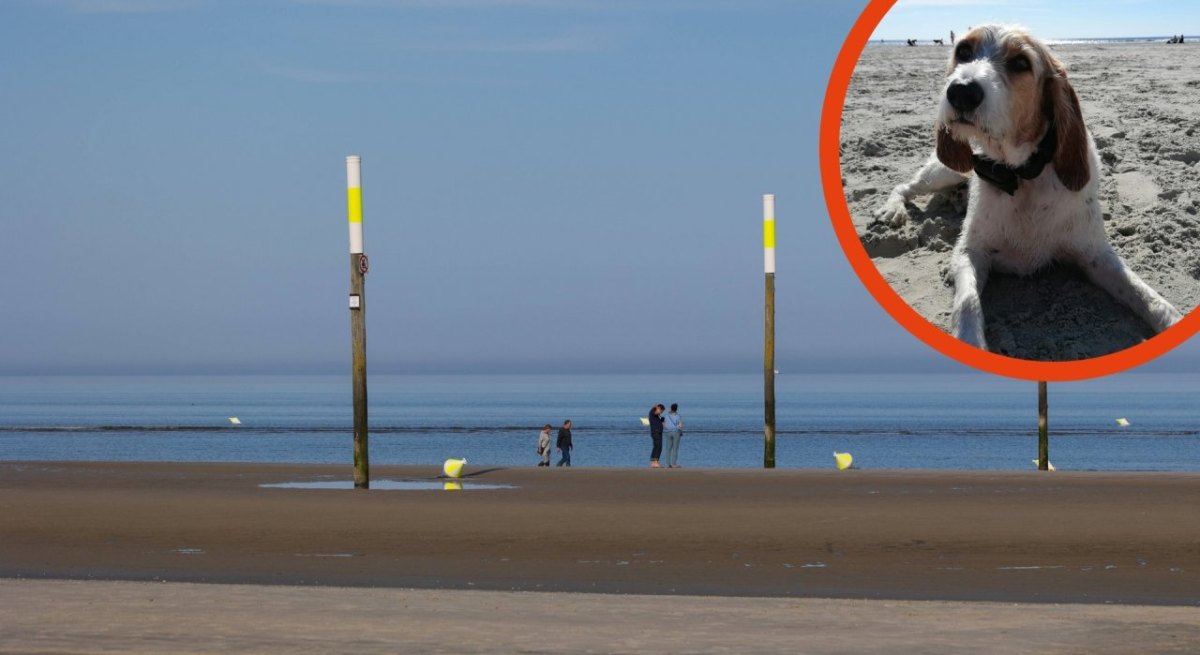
(769, 233)
(354, 204)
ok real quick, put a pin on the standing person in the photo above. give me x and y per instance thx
(564, 443)
(656, 434)
(543, 446)
(673, 426)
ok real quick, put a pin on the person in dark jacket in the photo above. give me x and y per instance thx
(564, 443)
(656, 434)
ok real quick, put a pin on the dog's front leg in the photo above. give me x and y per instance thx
(1109, 272)
(969, 267)
(934, 176)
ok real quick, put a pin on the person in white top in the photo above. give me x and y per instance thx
(543, 446)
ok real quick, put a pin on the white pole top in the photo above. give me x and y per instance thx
(769, 233)
(354, 202)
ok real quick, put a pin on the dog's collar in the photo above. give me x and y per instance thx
(1004, 177)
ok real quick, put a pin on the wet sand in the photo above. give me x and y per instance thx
(972, 536)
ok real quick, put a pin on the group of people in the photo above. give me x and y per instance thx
(1176, 39)
(662, 423)
(563, 444)
(669, 424)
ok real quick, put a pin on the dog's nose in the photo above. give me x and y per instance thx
(964, 97)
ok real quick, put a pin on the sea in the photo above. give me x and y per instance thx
(900, 421)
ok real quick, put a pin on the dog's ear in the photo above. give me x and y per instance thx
(950, 151)
(1071, 150)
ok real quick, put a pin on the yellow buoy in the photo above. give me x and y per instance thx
(452, 486)
(1123, 422)
(453, 467)
(645, 421)
(844, 460)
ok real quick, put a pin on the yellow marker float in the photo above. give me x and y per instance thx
(844, 460)
(453, 467)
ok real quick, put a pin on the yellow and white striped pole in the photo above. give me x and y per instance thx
(358, 320)
(769, 332)
(354, 202)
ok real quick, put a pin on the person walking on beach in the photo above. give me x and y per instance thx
(564, 443)
(656, 434)
(543, 446)
(673, 427)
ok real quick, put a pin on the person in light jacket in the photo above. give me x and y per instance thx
(543, 446)
(673, 429)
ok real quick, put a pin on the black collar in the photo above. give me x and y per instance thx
(1004, 177)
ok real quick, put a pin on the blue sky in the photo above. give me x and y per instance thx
(1061, 19)
(560, 186)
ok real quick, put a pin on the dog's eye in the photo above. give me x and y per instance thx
(963, 52)
(1018, 64)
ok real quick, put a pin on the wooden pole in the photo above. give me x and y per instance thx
(358, 321)
(1043, 430)
(769, 332)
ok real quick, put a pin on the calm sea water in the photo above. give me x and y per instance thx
(897, 421)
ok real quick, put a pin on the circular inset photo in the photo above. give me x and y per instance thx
(1030, 191)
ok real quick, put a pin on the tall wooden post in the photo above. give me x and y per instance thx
(1043, 430)
(769, 332)
(358, 320)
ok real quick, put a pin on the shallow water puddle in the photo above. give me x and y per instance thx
(391, 485)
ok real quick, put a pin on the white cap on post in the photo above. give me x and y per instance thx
(769, 233)
(354, 202)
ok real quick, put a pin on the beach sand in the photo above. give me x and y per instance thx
(684, 560)
(1004, 536)
(55, 616)
(1142, 105)
(688, 546)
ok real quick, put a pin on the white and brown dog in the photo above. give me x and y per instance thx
(1009, 115)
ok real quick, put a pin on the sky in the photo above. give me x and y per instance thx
(548, 185)
(1058, 20)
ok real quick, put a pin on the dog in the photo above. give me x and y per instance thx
(1010, 123)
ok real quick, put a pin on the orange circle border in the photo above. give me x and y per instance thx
(843, 225)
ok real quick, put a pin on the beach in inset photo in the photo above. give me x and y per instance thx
(1141, 103)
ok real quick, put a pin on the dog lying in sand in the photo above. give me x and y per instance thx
(1009, 115)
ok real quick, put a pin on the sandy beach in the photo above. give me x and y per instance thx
(1006, 536)
(1099, 561)
(110, 557)
(1145, 117)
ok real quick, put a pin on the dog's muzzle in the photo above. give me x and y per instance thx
(964, 96)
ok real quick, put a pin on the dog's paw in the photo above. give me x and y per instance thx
(966, 321)
(1165, 316)
(972, 338)
(893, 212)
